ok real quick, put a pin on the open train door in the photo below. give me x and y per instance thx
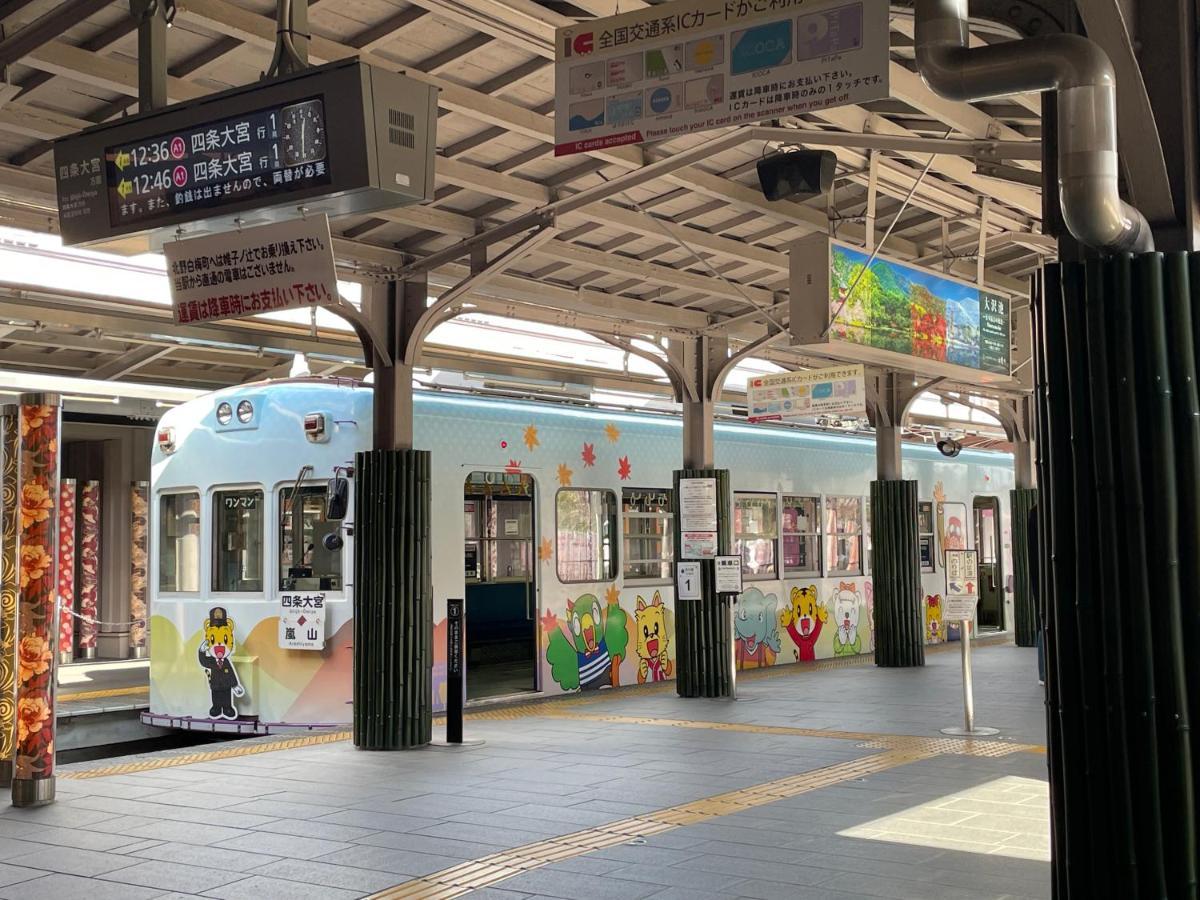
(501, 591)
(987, 551)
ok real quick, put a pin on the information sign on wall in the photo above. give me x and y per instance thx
(698, 504)
(284, 265)
(687, 581)
(694, 65)
(962, 585)
(698, 544)
(729, 574)
(840, 390)
(302, 621)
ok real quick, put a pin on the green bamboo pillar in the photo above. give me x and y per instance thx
(896, 571)
(1025, 604)
(703, 642)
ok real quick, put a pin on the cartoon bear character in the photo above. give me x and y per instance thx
(652, 640)
(846, 600)
(756, 630)
(933, 619)
(215, 655)
(804, 619)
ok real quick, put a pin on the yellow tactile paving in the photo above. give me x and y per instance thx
(68, 694)
(493, 869)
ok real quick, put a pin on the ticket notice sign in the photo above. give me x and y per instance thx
(698, 544)
(284, 265)
(698, 504)
(696, 65)
(729, 574)
(840, 390)
(962, 585)
(302, 621)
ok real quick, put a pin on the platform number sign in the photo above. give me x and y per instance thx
(687, 580)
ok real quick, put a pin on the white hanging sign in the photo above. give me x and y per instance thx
(838, 391)
(302, 621)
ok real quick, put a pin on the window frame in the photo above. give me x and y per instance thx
(267, 540)
(276, 550)
(614, 564)
(831, 535)
(789, 572)
(158, 526)
(668, 537)
(774, 574)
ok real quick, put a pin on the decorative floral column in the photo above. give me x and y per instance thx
(33, 780)
(89, 567)
(66, 570)
(10, 584)
(139, 532)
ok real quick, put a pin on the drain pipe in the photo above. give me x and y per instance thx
(1080, 71)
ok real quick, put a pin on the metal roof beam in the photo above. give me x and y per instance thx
(64, 15)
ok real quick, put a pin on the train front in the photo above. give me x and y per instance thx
(251, 616)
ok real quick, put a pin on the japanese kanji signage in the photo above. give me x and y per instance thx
(962, 585)
(837, 391)
(285, 265)
(302, 621)
(694, 65)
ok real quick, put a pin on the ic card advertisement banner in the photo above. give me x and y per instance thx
(694, 65)
(840, 390)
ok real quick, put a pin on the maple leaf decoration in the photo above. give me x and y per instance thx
(545, 549)
(531, 437)
(623, 468)
(549, 622)
(612, 432)
(513, 467)
(588, 455)
(612, 595)
(564, 475)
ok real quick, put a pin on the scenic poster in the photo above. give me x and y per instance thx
(917, 313)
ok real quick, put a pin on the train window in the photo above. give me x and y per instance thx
(305, 562)
(649, 534)
(238, 541)
(755, 528)
(925, 535)
(585, 528)
(802, 536)
(179, 543)
(843, 536)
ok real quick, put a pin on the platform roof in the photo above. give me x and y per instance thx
(695, 250)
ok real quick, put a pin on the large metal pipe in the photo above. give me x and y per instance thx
(1080, 71)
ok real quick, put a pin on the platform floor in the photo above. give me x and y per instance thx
(825, 783)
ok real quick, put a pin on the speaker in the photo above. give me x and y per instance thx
(796, 173)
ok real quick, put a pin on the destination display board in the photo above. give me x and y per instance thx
(694, 65)
(840, 390)
(260, 154)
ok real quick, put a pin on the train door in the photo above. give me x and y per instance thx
(501, 593)
(987, 550)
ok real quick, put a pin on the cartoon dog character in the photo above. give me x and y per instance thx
(215, 654)
(933, 619)
(652, 640)
(756, 629)
(804, 619)
(846, 601)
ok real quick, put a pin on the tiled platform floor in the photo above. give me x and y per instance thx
(907, 820)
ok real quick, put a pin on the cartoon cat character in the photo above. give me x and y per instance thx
(804, 618)
(846, 601)
(933, 619)
(215, 654)
(651, 621)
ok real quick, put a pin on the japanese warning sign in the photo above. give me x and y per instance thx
(302, 621)
(962, 585)
(694, 65)
(284, 265)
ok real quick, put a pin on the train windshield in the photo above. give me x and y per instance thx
(305, 563)
(238, 539)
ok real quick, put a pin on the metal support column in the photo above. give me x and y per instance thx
(394, 309)
(701, 360)
(152, 54)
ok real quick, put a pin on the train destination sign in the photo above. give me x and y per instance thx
(336, 139)
(895, 313)
(284, 265)
(695, 65)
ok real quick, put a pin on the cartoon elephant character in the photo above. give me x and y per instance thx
(215, 654)
(756, 629)
(846, 601)
(804, 618)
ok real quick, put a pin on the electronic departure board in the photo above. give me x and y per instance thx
(340, 139)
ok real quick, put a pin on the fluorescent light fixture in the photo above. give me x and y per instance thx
(77, 388)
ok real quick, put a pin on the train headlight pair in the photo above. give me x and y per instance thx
(245, 412)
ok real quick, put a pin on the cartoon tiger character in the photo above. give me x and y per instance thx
(804, 620)
(651, 622)
(215, 654)
(933, 619)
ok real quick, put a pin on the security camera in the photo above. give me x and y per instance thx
(949, 447)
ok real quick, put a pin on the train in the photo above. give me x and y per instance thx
(552, 521)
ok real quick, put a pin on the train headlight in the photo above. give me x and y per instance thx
(224, 413)
(245, 411)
